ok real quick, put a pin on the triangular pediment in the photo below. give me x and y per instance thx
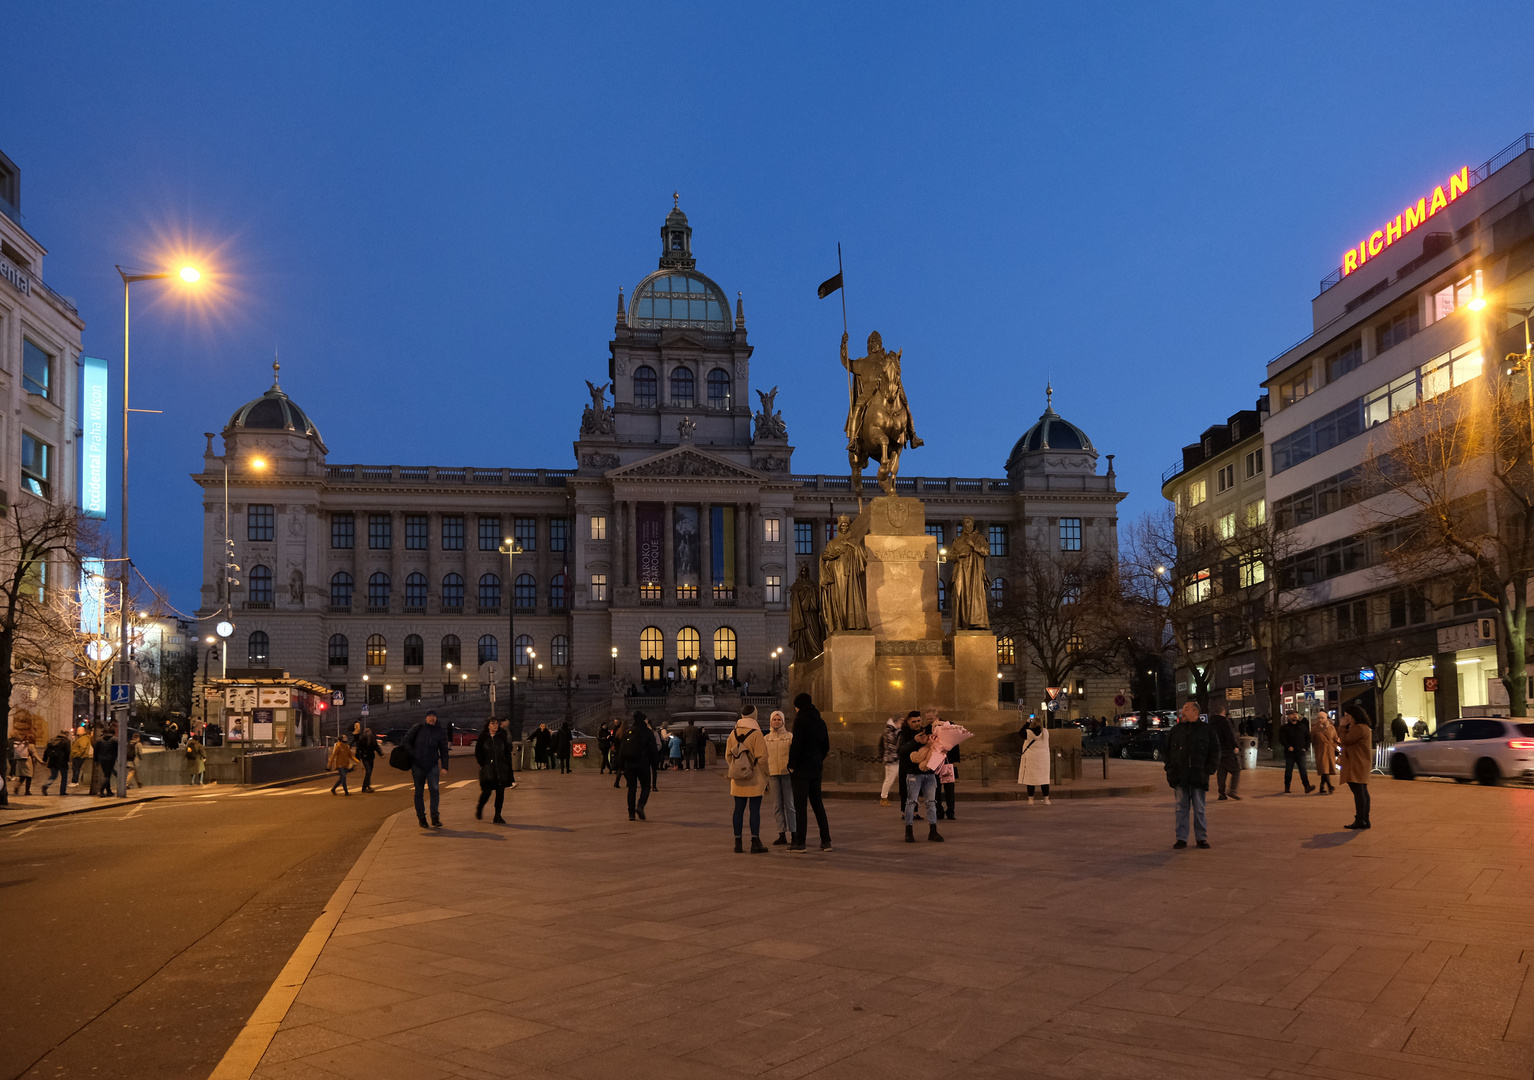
(674, 338)
(684, 461)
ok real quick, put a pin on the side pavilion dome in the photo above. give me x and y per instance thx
(1051, 433)
(273, 411)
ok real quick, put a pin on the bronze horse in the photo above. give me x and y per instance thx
(886, 427)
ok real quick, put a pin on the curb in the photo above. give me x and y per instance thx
(250, 1045)
(1056, 792)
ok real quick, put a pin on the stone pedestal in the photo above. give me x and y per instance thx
(974, 669)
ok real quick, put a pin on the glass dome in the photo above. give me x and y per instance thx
(679, 298)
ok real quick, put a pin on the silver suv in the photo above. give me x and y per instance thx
(1486, 749)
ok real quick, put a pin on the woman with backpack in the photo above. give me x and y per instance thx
(493, 752)
(745, 756)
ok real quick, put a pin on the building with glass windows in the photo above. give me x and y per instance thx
(658, 567)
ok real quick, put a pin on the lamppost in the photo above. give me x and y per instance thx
(511, 548)
(189, 275)
(532, 679)
(613, 675)
(1516, 363)
(449, 666)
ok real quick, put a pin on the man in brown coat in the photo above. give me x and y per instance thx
(1357, 761)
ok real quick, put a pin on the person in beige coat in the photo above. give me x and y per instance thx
(1357, 740)
(339, 761)
(780, 788)
(745, 757)
(1323, 740)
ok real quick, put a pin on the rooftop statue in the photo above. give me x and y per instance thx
(879, 422)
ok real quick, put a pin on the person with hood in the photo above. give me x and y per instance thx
(1230, 761)
(105, 752)
(365, 746)
(564, 742)
(780, 788)
(25, 757)
(889, 744)
(1357, 739)
(493, 752)
(918, 780)
(1033, 769)
(745, 758)
(1192, 755)
(56, 758)
(427, 744)
(806, 762)
(639, 755)
(674, 748)
(1323, 740)
(81, 751)
(1294, 737)
(197, 760)
(339, 761)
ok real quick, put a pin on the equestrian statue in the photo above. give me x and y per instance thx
(879, 423)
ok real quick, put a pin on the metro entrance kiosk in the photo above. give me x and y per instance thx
(269, 708)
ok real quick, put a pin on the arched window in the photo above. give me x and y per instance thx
(1070, 591)
(378, 590)
(718, 389)
(378, 652)
(415, 591)
(260, 649)
(557, 593)
(998, 592)
(489, 649)
(260, 584)
(559, 651)
(681, 386)
(652, 651)
(452, 592)
(1006, 650)
(724, 653)
(490, 591)
(519, 650)
(645, 386)
(340, 650)
(341, 589)
(452, 651)
(526, 592)
(415, 651)
(689, 645)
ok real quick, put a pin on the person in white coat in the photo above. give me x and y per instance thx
(1033, 770)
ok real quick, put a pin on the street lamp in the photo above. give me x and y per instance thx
(189, 275)
(614, 672)
(511, 548)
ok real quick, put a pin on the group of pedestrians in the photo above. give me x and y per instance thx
(361, 747)
(551, 748)
(788, 765)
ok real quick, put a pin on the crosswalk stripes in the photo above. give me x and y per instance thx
(457, 784)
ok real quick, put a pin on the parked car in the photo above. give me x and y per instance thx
(1110, 739)
(1481, 748)
(395, 735)
(1144, 744)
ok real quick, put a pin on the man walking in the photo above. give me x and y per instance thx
(1230, 761)
(427, 743)
(604, 745)
(639, 754)
(806, 761)
(1192, 754)
(1398, 728)
(80, 751)
(889, 743)
(365, 745)
(1294, 737)
(106, 760)
(780, 787)
(56, 758)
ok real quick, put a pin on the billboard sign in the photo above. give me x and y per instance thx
(93, 597)
(93, 437)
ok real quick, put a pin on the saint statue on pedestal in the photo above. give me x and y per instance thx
(843, 575)
(806, 632)
(971, 599)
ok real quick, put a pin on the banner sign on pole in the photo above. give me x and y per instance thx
(93, 437)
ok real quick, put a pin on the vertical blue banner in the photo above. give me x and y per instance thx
(93, 439)
(92, 596)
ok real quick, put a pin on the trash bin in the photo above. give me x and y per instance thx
(1248, 751)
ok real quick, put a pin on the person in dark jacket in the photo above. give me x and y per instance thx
(1230, 761)
(639, 755)
(56, 758)
(1294, 737)
(365, 746)
(919, 782)
(543, 743)
(1398, 728)
(699, 747)
(105, 753)
(806, 762)
(493, 752)
(427, 743)
(604, 747)
(1192, 755)
(564, 741)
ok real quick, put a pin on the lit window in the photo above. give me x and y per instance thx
(1070, 534)
(1074, 643)
(1253, 570)
(652, 651)
(774, 589)
(1228, 525)
(1197, 587)
(1297, 388)
(36, 466)
(378, 651)
(689, 645)
(599, 588)
(36, 369)
(724, 653)
(1256, 513)
(598, 526)
(1006, 651)
(1198, 491)
(1070, 592)
(770, 530)
(1452, 297)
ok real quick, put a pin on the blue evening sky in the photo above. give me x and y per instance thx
(429, 208)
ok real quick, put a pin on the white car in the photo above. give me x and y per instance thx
(1485, 749)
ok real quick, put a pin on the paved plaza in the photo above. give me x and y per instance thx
(1061, 941)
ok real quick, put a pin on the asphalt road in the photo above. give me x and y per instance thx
(136, 942)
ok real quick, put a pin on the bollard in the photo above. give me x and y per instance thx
(839, 767)
(985, 770)
(1105, 763)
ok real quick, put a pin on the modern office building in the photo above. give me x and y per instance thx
(664, 557)
(1396, 324)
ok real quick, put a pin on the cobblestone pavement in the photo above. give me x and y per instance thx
(1060, 941)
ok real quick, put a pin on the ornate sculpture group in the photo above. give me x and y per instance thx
(769, 423)
(597, 418)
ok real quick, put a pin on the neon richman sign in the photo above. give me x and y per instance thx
(1406, 221)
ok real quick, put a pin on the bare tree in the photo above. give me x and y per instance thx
(1057, 609)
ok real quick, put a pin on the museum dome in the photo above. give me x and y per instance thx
(1052, 432)
(273, 411)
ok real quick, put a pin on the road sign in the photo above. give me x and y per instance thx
(1120, 700)
(1429, 684)
(1248, 687)
(119, 693)
(1052, 705)
(338, 697)
(1310, 682)
(364, 709)
(1052, 691)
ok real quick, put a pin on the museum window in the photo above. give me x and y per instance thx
(452, 592)
(416, 531)
(340, 650)
(598, 526)
(36, 369)
(452, 532)
(830, 530)
(415, 592)
(260, 649)
(415, 651)
(1070, 591)
(412, 691)
(681, 386)
(644, 387)
(490, 533)
(935, 530)
(260, 522)
(998, 592)
(378, 651)
(559, 651)
(525, 532)
(36, 466)
(804, 538)
(343, 531)
(1254, 463)
(942, 595)
(1070, 534)
(489, 593)
(774, 589)
(489, 649)
(559, 534)
(689, 646)
(718, 389)
(557, 593)
(652, 653)
(520, 649)
(525, 592)
(380, 532)
(724, 654)
(1006, 650)
(452, 651)
(998, 538)
(340, 590)
(261, 585)
(379, 587)
(375, 693)
(599, 588)
(772, 530)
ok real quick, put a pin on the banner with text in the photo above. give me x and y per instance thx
(93, 437)
(649, 521)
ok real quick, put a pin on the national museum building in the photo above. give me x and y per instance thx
(664, 557)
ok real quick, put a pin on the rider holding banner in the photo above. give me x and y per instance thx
(868, 375)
